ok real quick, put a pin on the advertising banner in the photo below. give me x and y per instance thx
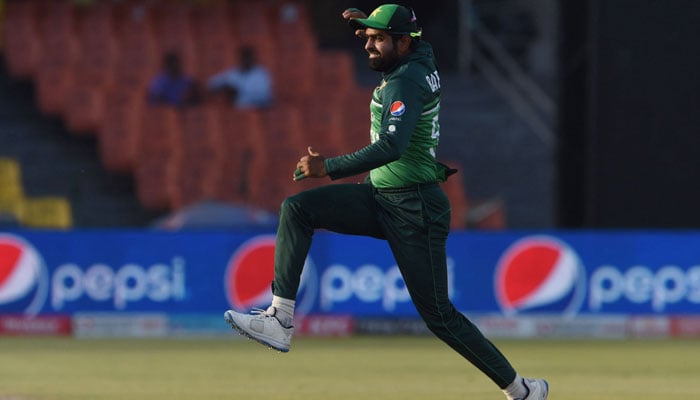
(510, 274)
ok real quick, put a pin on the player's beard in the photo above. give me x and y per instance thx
(384, 62)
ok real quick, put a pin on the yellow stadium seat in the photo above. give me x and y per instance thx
(11, 191)
(9, 171)
(47, 212)
(13, 207)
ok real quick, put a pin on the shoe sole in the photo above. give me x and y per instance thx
(242, 331)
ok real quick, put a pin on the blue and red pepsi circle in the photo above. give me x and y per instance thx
(540, 274)
(398, 108)
(24, 280)
(249, 274)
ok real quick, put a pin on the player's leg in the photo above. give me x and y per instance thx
(344, 208)
(416, 226)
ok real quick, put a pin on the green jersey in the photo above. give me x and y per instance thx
(404, 126)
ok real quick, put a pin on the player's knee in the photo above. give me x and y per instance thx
(292, 205)
(439, 317)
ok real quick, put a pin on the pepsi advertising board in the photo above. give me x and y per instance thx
(505, 273)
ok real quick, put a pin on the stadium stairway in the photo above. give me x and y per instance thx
(56, 163)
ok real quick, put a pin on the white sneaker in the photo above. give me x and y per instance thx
(539, 389)
(261, 326)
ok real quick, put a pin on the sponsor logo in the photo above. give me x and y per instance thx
(397, 108)
(540, 274)
(370, 284)
(250, 272)
(105, 284)
(639, 284)
(23, 276)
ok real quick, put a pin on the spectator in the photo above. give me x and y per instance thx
(248, 85)
(171, 86)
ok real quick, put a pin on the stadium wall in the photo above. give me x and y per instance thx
(513, 284)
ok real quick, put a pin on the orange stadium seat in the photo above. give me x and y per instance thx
(93, 75)
(293, 77)
(156, 182)
(160, 133)
(216, 42)
(138, 62)
(356, 119)
(239, 129)
(202, 155)
(323, 124)
(59, 57)
(51, 86)
(21, 38)
(215, 55)
(158, 157)
(119, 133)
(335, 70)
(175, 32)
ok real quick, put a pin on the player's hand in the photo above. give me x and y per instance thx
(310, 166)
(351, 13)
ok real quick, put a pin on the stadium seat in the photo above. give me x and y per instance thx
(356, 119)
(202, 155)
(294, 71)
(47, 212)
(215, 40)
(118, 135)
(323, 124)
(160, 132)
(335, 69)
(11, 189)
(93, 75)
(158, 157)
(10, 172)
(156, 182)
(21, 38)
(197, 181)
(138, 62)
(239, 129)
(59, 57)
(176, 33)
(282, 129)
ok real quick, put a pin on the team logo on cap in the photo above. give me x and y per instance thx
(24, 280)
(250, 272)
(540, 274)
(397, 108)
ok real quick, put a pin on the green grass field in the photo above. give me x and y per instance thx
(401, 368)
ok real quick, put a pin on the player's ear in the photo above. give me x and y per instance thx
(404, 44)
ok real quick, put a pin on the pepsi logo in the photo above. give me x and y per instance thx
(250, 273)
(540, 274)
(23, 276)
(397, 108)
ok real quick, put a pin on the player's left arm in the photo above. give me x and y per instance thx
(402, 105)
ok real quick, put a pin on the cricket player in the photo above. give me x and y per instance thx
(401, 201)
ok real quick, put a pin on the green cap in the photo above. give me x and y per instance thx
(392, 18)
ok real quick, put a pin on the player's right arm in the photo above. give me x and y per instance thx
(354, 13)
